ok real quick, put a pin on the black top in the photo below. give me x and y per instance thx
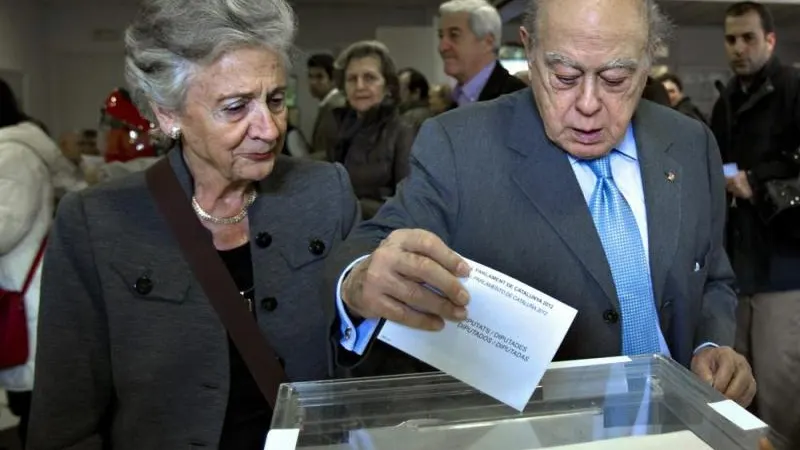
(248, 416)
(757, 129)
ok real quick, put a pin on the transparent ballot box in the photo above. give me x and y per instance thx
(647, 402)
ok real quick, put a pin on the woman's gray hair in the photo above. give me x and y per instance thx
(484, 19)
(659, 27)
(169, 40)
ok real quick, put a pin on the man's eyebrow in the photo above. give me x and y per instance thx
(620, 63)
(553, 58)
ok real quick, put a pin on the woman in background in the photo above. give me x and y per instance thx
(374, 141)
(27, 167)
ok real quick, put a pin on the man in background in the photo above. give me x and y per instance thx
(470, 33)
(678, 100)
(322, 84)
(440, 98)
(756, 122)
(414, 97)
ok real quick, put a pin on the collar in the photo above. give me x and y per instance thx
(772, 66)
(472, 88)
(333, 92)
(627, 147)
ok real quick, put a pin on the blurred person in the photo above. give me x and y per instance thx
(755, 121)
(440, 98)
(414, 104)
(655, 92)
(295, 143)
(374, 141)
(88, 142)
(70, 145)
(470, 33)
(32, 169)
(414, 97)
(672, 83)
(612, 204)
(322, 84)
(132, 353)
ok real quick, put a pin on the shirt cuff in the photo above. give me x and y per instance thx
(353, 338)
(704, 345)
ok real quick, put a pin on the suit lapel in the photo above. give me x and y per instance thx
(545, 176)
(662, 179)
(494, 85)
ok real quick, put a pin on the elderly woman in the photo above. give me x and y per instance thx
(131, 352)
(374, 141)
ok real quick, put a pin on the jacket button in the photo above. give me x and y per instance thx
(610, 316)
(143, 285)
(269, 304)
(263, 239)
(316, 247)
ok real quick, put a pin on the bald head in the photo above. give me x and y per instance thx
(588, 63)
(643, 14)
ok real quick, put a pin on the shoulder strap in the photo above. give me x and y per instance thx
(217, 283)
(34, 266)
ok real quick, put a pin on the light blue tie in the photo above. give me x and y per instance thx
(625, 252)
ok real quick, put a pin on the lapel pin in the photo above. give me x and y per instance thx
(671, 176)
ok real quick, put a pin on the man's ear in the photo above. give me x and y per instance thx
(771, 41)
(167, 119)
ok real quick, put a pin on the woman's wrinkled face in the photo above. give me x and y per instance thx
(234, 115)
(364, 85)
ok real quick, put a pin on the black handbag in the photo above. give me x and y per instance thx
(781, 204)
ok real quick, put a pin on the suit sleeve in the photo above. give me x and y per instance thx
(73, 396)
(426, 199)
(717, 322)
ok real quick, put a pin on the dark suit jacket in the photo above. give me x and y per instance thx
(150, 370)
(488, 182)
(500, 82)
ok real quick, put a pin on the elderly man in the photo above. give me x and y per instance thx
(611, 205)
(470, 33)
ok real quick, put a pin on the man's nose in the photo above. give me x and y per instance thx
(588, 101)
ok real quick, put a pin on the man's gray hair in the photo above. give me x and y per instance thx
(169, 40)
(484, 19)
(658, 25)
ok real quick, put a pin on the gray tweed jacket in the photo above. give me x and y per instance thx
(129, 368)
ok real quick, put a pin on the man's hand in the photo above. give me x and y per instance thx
(389, 283)
(764, 444)
(728, 371)
(739, 186)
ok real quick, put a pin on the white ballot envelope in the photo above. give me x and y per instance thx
(504, 347)
(730, 170)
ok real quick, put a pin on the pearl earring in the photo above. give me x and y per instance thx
(175, 133)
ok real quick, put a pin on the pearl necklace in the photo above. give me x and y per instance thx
(207, 217)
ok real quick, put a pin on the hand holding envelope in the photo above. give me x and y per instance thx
(390, 283)
(736, 181)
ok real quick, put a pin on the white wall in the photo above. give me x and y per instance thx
(21, 50)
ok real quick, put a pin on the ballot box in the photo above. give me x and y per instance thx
(647, 402)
